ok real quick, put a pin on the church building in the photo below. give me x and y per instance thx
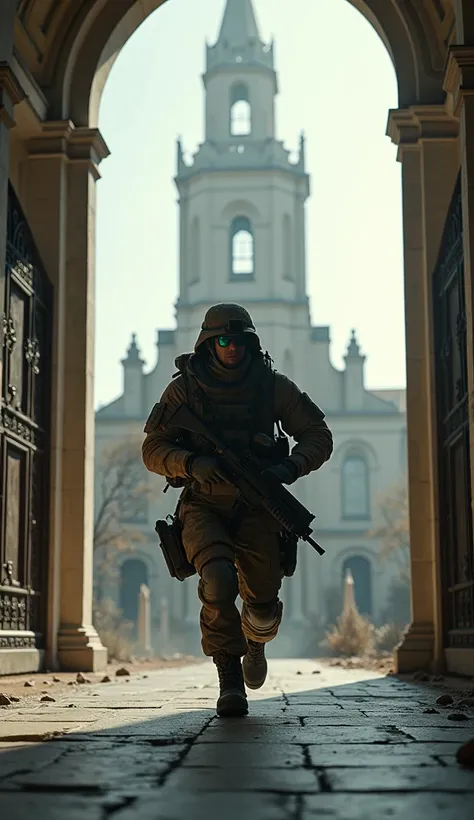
(242, 239)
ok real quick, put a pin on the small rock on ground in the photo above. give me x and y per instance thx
(444, 700)
(465, 754)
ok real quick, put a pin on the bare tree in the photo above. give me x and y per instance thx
(394, 530)
(121, 504)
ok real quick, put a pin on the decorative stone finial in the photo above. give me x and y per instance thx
(133, 354)
(353, 348)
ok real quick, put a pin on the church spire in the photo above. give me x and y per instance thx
(239, 25)
(239, 42)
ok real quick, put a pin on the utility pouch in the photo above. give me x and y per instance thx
(288, 553)
(170, 535)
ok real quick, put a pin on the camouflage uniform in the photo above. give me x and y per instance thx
(233, 557)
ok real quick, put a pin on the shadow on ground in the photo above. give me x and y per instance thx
(319, 742)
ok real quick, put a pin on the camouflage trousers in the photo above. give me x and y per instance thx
(233, 559)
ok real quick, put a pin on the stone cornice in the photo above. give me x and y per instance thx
(11, 93)
(459, 74)
(62, 138)
(409, 127)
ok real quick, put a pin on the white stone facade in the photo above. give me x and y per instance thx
(242, 239)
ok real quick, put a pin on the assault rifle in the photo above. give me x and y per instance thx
(256, 489)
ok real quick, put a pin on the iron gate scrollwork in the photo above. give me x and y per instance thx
(24, 437)
(455, 515)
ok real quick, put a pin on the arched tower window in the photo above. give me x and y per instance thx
(287, 254)
(361, 572)
(355, 488)
(242, 249)
(195, 257)
(240, 111)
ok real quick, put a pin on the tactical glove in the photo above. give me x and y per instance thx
(286, 472)
(205, 469)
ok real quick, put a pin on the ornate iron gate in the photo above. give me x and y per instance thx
(455, 515)
(24, 437)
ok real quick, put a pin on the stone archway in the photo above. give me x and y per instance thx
(76, 45)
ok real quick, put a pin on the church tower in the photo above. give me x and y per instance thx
(242, 199)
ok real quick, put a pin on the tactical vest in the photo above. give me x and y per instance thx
(235, 422)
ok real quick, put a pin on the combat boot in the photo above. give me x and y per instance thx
(254, 665)
(232, 700)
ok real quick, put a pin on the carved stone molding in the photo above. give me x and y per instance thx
(11, 94)
(62, 138)
(459, 76)
(409, 127)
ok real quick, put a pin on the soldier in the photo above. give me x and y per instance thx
(230, 384)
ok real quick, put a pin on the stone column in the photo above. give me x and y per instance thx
(428, 151)
(459, 83)
(61, 210)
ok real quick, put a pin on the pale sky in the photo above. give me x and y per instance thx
(337, 83)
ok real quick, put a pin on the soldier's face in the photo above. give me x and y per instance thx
(230, 350)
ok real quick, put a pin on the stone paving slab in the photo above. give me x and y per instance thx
(386, 807)
(418, 779)
(413, 720)
(457, 733)
(50, 807)
(245, 732)
(368, 705)
(34, 731)
(396, 754)
(231, 806)
(241, 755)
(301, 781)
(26, 756)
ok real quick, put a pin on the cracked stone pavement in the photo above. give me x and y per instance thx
(319, 742)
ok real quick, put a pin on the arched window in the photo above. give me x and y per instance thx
(287, 249)
(133, 573)
(361, 572)
(240, 111)
(195, 256)
(242, 248)
(355, 488)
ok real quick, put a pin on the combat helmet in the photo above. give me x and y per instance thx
(226, 318)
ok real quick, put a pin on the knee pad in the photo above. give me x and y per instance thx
(219, 584)
(263, 616)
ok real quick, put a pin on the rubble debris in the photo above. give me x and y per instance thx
(430, 711)
(30, 683)
(421, 675)
(80, 678)
(106, 679)
(47, 699)
(445, 700)
(121, 672)
(465, 754)
(5, 700)
(458, 716)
